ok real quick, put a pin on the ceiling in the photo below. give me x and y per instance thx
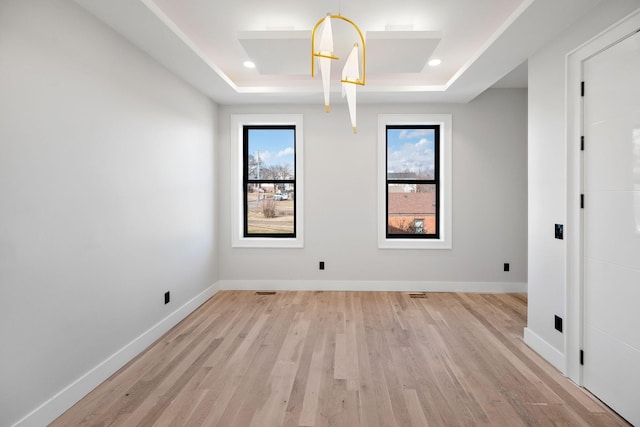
(481, 44)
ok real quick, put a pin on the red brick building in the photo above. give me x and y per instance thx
(412, 213)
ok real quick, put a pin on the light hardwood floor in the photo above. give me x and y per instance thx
(343, 359)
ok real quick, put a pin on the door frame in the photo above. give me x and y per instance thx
(574, 232)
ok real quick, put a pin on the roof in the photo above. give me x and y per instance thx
(402, 175)
(412, 203)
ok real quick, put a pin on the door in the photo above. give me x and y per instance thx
(611, 170)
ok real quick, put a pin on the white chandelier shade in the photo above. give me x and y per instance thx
(350, 72)
(326, 52)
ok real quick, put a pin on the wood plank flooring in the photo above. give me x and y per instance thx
(343, 359)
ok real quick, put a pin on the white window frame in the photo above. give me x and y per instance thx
(238, 121)
(445, 213)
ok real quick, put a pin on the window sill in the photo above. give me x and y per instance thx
(385, 243)
(267, 242)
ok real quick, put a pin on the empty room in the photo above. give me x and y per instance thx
(328, 213)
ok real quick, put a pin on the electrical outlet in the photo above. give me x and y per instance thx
(558, 323)
(506, 266)
(167, 297)
(321, 265)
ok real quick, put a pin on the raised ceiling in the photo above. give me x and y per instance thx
(206, 42)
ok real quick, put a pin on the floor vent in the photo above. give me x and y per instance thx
(421, 295)
(265, 292)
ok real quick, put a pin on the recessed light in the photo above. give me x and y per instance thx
(434, 62)
(249, 64)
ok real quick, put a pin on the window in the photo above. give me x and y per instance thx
(412, 181)
(269, 171)
(267, 206)
(414, 202)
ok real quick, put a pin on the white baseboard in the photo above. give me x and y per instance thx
(546, 350)
(371, 285)
(67, 397)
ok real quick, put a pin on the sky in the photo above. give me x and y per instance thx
(410, 150)
(276, 146)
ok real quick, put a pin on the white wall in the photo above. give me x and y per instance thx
(548, 169)
(489, 203)
(106, 202)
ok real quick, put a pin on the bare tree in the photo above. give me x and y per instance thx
(282, 171)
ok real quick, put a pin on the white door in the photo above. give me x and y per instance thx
(612, 227)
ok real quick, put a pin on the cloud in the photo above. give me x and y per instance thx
(413, 157)
(414, 133)
(286, 152)
(265, 156)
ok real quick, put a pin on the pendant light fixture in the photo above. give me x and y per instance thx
(324, 52)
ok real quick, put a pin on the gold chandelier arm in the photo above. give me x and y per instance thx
(315, 54)
(322, 55)
(353, 82)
